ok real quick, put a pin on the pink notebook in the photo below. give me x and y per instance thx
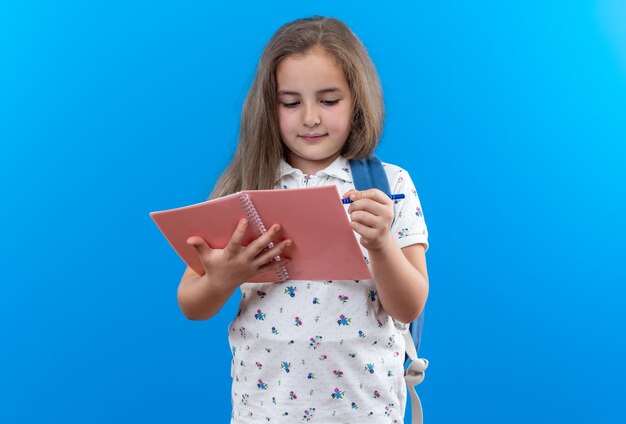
(324, 245)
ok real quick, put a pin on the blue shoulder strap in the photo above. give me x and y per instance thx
(369, 173)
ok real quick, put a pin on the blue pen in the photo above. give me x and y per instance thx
(391, 196)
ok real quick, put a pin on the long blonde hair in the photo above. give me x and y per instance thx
(256, 161)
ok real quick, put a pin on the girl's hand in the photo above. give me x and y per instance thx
(371, 213)
(236, 264)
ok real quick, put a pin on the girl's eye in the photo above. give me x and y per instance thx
(330, 102)
(291, 105)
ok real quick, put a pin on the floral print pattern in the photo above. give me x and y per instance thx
(323, 351)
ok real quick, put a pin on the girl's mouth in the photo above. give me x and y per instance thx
(313, 137)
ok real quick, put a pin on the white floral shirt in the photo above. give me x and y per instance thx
(323, 351)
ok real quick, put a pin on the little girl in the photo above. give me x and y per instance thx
(321, 351)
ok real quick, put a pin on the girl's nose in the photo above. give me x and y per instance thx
(311, 116)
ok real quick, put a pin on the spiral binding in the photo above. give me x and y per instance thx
(259, 228)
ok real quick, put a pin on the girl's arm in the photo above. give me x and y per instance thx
(401, 279)
(401, 275)
(201, 297)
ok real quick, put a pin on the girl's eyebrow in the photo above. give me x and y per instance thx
(322, 91)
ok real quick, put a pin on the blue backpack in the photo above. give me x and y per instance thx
(366, 174)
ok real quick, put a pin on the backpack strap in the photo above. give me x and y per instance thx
(369, 173)
(414, 375)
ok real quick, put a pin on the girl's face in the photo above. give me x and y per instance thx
(314, 110)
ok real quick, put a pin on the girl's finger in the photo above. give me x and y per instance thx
(375, 195)
(199, 244)
(258, 245)
(270, 254)
(370, 206)
(366, 218)
(363, 230)
(348, 193)
(234, 245)
(202, 248)
(273, 266)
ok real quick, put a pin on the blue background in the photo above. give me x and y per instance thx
(510, 116)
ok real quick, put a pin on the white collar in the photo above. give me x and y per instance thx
(340, 168)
